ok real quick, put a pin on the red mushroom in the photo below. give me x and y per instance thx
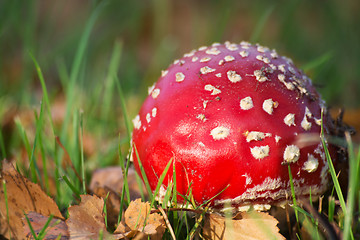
(232, 117)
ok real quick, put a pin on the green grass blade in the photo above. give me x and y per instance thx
(143, 174)
(82, 166)
(105, 210)
(160, 182)
(42, 232)
(293, 193)
(123, 108)
(71, 186)
(23, 135)
(317, 62)
(331, 211)
(44, 90)
(33, 165)
(30, 226)
(111, 78)
(2, 147)
(332, 170)
(353, 188)
(45, 181)
(125, 189)
(334, 177)
(261, 24)
(125, 170)
(78, 60)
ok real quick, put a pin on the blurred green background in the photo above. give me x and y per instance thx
(323, 37)
(135, 40)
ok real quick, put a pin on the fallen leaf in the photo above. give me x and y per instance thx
(112, 204)
(253, 225)
(86, 220)
(55, 229)
(138, 221)
(23, 196)
(112, 178)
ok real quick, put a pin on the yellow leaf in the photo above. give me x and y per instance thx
(244, 226)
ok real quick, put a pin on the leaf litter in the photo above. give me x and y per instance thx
(23, 196)
(24, 203)
(87, 220)
(244, 226)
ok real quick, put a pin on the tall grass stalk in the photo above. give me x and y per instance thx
(82, 166)
(336, 181)
(75, 69)
(39, 126)
(2, 147)
(353, 188)
(261, 24)
(111, 79)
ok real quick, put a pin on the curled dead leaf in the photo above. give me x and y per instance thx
(86, 220)
(140, 223)
(112, 178)
(32, 199)
(253, 225)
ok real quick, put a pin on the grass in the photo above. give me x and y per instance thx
(102, 57)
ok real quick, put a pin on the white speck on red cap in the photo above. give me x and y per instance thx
(154, 112)
(220, 132)
(256, 136)
(290, 119)
(151, 88)
(282, 68)
(163, 73)
(136, 121)
(213, 51)
(269, 105)
(206, 69)
(229, 58)
(231, 46)
(194, 59)
(305, 124)
(155, 93)
(244, 53)
(233, 76)
(274, 54)
(260, 76)
(148, 117)
(291, 154)
(205, 59)
(311, 164)
(260, 152)
(179, 77)
(246, 103)
(214, 90)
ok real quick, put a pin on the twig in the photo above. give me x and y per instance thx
(167, 223)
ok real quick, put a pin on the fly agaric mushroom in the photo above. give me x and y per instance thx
(232, 117)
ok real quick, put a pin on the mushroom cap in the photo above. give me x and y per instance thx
(232, 117)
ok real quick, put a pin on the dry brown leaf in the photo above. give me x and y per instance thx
(86, 220)
(23, 196)
(134, 222)
(112, 178)
(55, 229)
(247, 226)
(112, 204)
